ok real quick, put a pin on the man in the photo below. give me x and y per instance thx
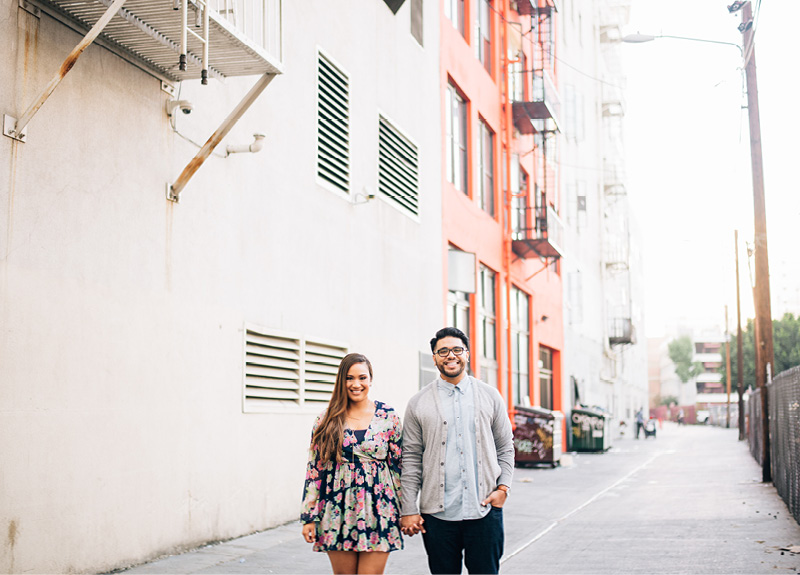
(639, 421)
(458, 457)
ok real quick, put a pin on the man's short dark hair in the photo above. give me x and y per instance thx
(449, 332)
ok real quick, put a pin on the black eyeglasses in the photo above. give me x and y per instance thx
(445, 351)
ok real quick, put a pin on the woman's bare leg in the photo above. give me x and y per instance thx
(372, 562)
(344, 562)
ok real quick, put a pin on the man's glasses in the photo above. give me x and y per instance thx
(445, 351)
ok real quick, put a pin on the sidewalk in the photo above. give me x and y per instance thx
(690, 501)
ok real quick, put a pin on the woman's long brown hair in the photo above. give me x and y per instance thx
(329, 434)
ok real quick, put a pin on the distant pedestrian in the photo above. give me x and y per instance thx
(350, 499)
(459, 459)
(639, 421)
(680, 416)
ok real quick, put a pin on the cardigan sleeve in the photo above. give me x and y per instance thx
(503, 441)
(411, 478)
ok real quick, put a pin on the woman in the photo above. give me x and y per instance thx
(351, 504)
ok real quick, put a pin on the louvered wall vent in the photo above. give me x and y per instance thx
(333, 125)
(398, 167)
(321, 364)
(284, 371)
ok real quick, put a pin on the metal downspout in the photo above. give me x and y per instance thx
(507, 203)
(16, 131)
(174, 190)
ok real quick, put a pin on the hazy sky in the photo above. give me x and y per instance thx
(688, 157)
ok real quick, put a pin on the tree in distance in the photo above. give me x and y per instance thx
(681, 351)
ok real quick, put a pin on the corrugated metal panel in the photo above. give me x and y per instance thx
(150, 32)
(333, 125)
(398, 167)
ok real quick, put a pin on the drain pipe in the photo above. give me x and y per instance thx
(254, 148)
(174, 190)
(17, 130)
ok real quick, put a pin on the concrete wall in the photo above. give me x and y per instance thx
(122, 314)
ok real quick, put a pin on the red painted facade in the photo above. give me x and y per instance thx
(468, 223)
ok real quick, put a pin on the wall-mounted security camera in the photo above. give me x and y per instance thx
(184, 106)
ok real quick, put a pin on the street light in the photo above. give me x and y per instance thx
(764, 346)
(642, 38)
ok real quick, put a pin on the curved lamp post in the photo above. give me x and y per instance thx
(764, 345)
(641, 38)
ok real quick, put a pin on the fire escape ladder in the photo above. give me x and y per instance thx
(202, 38)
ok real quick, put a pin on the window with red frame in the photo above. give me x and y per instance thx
(456, 146)
(454, 11)
(484, 38)
(485, 188)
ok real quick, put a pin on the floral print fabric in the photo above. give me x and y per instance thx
(355, 504)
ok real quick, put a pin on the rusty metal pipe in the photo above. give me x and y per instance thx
(175, 189)
(67, 65)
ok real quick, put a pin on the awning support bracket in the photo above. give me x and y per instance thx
(16, 128)
(174, 190)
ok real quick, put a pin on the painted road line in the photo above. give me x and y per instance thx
(589, 501)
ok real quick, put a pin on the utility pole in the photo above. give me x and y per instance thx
(739, 344)
(728, 370)
(764, 350)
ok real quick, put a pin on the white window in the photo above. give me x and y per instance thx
(484, 36)
(454, 11)
(546, 377)
(487, 325)
(458, 310)
(456, 120)
(520, 342)
(485, 187)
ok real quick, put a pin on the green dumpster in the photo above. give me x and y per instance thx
(589, 430)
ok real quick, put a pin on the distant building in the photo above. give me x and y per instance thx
(704, 390)
(605, 358)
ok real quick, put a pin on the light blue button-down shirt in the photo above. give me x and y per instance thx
(461, 466)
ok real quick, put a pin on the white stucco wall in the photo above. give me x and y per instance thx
(122, 314)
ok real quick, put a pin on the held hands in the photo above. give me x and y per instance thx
(497, 498)
(412, 524)
(309, 530)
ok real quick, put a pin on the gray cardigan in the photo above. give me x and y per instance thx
(424, 447)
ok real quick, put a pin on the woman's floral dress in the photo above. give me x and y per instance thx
(355, 504)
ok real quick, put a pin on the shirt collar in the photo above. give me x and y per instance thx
(462, 386)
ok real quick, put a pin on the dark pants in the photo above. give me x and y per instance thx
(480, 540)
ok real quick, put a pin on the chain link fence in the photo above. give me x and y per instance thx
(784, 434)
(784, 431)
(754, 426)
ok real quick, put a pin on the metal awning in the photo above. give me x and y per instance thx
(149, 31)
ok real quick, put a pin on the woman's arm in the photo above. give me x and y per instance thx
(314, 483)
(395, 452)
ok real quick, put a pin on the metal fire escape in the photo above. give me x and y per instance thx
(175, 40)
(616, 228)
(536, 227)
